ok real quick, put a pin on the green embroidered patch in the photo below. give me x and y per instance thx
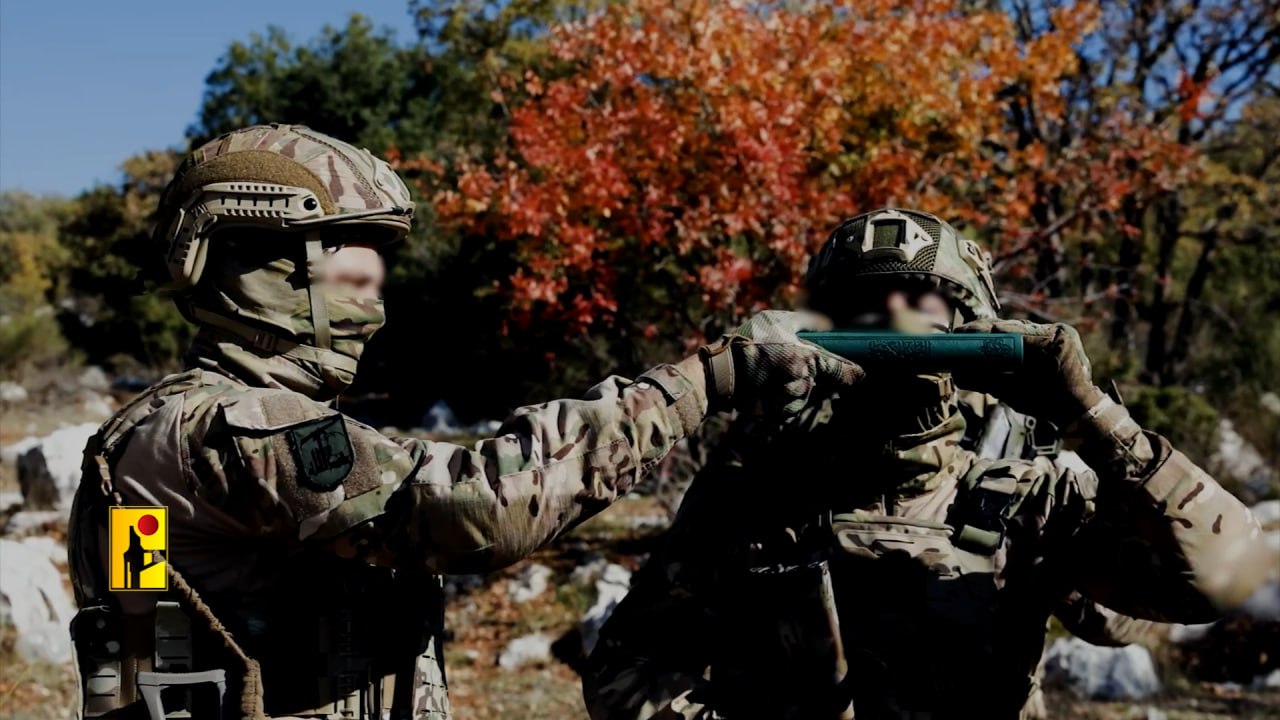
(322, 452)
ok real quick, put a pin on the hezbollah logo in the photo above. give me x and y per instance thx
(139, 541)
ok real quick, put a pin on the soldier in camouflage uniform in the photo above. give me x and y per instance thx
(863, 562)
(305, 549)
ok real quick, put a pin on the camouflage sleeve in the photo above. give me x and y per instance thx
(1099, 625)
(551, 466)
(276, 462)
(1166, 542)
(654, 647)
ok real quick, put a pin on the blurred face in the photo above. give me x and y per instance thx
(907, 310)
(931, 305)
(357, 269)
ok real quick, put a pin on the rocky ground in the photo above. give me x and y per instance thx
(518, 634)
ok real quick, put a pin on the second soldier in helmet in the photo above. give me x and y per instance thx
(866, 562)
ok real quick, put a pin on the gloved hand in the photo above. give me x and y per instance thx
(763, 364)
(1055, 381)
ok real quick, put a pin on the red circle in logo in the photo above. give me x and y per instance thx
(148, 524)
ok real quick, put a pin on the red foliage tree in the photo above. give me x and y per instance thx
(685, 158)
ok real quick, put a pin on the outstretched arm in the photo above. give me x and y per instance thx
(1165, 541)
(282, 464)
(552, 466)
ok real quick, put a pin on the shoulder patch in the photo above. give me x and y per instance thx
(322, 451)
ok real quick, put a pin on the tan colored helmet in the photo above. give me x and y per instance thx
(237, 197)
(286, 178)
(902, 247)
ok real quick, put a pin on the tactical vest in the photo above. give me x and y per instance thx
(785, 647)
(1002, 432)
(327, 638)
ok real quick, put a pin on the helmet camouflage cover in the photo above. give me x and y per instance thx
(244, 227)
(276, 177)
(904, 247)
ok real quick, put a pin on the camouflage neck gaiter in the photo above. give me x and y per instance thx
(259, 325)
(902, 428)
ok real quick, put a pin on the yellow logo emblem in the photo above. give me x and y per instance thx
(139, 543)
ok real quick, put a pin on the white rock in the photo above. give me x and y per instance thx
(1239, 459)
(589, 570)
(1264, 603)
(34, 601)
(1267, 681)
(1271, 402)
(9, 498)
(1102, 673)
(613, 585)
(1267, 512)
(530, 582)
(527, 650)
(47, 548)
(440, 418)
(95, 405)
(12, 392)
(63, 452)
(94, 378)
(24, 521)
(1155, 714)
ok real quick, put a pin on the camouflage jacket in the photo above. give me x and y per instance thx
(319, 541)
(797, 581)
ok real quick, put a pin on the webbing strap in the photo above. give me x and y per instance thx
(315, 290)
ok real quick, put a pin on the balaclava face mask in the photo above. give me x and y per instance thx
(272, 281)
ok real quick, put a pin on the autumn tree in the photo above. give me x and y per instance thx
(699, 151)
(1156, 82)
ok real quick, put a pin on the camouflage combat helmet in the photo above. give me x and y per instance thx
(277, 177)
(244, 226)
(902, 246)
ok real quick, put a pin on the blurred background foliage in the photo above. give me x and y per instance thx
(603, 184)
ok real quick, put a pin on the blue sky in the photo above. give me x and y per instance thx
(83, 85)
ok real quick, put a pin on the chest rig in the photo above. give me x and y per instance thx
(804, 616)
(326, 639)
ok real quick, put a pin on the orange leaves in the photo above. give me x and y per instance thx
(1190, 95)
(706, 147)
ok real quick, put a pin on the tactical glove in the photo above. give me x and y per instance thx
(762, 364)
(1054, 382)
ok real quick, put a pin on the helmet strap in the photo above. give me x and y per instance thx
(315, 289)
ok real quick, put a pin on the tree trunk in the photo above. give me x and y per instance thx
(1168, 215)
(1186, 318)
(1130, 256)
